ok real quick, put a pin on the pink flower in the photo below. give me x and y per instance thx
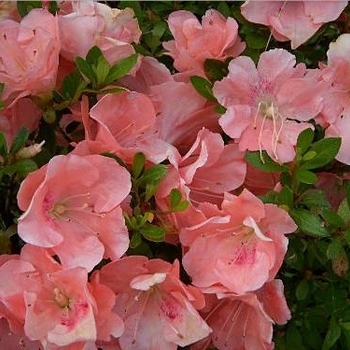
(126, 125)
(32, 49)
(267, 105)
(57, 306)
(217, 35)
(240, 247)
(245, 321)
(182, 113)
(96, 24)
(73, 206)
(295, 21)
(158, 310)
(22, 113)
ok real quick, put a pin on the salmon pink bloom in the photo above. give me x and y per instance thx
(268, 105)
(126, 125)
(240, 247)
(96, 24)
(216, 37)
(245, 321)
(293, 20)
(57, 306)
(72, 205)
(29, 53)
(158, 310)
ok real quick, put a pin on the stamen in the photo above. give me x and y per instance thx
(142, 309)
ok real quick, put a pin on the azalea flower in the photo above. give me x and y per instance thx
(126, 125)
(293, 20)
(244, 244)
(245, 321)
(268, 105)
(96, 24)
(216, 34)
(57, 306)
(29, 53)
(158, 310)
(80, 219)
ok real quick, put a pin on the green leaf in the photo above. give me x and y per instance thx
(138, 164)
(335, 249)
(24, 167)
(53, 7)
(19, 140)
(72, 83)
(151, 189)
(102, 71)
(285, 197)
(215, 70)
(304, 141)
(154, 174)
(121, 68)
(326, 149)
(86, 70)
(3, 145)
(306, 176)
(24, 7)
(268, 165)
(344, 211)
(135, 240)
(159, 29)
(175, 198)
(203, 87)
(309, 223)
(153, 233)
(93, 56)
(2, 86)
(332, 218)
(314, 198)
(333, 334)
(302, 290)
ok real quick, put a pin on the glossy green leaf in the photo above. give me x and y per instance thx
(333, 334)
(19, 140)
(86, 70)
(153, 233)
(268, 165)
(304, 140)
(302, 289)
(138, 164)
(121, 68)
(309, 223)
(24, 7)
(153, 174)
(326, 149)
(306, 176)
(203, 87)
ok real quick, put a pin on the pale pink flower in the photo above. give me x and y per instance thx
(293, 20)
(239, 247)
(267, 105)
(126, 125)
(96, 24)
(32, 49)
(158, 310)
(73, 206)
(194, 42)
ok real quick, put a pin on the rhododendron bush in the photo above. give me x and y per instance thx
(174, 175)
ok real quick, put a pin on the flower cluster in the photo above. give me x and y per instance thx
(142, 212)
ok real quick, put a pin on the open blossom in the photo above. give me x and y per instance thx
(72, 205)
(96, 24)
(29, 53)
(216, 37)
(56, 306)
(158, 310)
(336, 112)
(268, 105)
(245, 321)
(239, 247)
(293, 20)
(126, 125)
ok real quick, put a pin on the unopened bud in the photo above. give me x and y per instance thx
(30, 151)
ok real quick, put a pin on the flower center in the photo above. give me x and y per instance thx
(61, 299)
